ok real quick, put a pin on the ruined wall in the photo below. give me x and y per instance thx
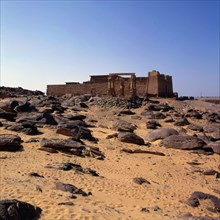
(155, 84)
(56, 90)
(165, 87)
(159, 84)
(152, 84)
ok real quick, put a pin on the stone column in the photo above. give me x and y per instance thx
(133, 86)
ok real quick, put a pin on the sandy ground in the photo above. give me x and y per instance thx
(114, 194)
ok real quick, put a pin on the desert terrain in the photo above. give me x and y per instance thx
(107, 158)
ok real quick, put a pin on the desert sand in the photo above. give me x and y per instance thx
(171, 178)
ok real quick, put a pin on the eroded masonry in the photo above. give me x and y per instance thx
(118, 85)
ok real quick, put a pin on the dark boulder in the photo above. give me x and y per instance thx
(160, 133)
(76, 132)
(67, 146)
(26, 107)
(126, 112)
(17, 210)
(183, 142)
(212, 131)
(153, 124)
(83, 105)
(195, 127)
(70, 188)
(196, 197)
(25, 127)
(9, 142)
(181, 122)
(8, 115)
(75, 116)
(215, 146)
(129, 137)
(125, 126)
(193, 114)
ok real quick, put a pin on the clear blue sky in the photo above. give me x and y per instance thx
(53, 42)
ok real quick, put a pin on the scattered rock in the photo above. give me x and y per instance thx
(194, 200)
(139, 151)
(195, 127)
(215, 146)
(17, 210)
(126, 112)
(70, 188)
(75, 117)
(66, 203)
(78, 168)
(160, 133)
(115, 135)
(34, 174)
(193, 114)
(183, 142)
(140, 180)
(153, 124)
(125, 126)
(76, 132)
(26, 128)
(9, 142)
(129, 137)
(181, 122)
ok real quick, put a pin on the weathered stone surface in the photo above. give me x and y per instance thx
(12, 104)
(215, 146)
(9, 142)
(83, 105)
(183, 142)
(26, 107)
(168, 119)
(139, 151)
(17, 210)
(181, 122)
(125, 126)
(37, 118)
(193, 114)
(76, 132)
(195, 127)
(153, 124)
(189, 216)
(159, 107)
(75, 116)
(68, 146)
(126, 112)
(194, 200)
(26, 127)
(10, 116)
(160, 133)
(129, 137)
(157, 115)
(70, 188)
(78, 168)
(212, 131)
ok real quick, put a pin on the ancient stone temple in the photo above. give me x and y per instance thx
(118, 85)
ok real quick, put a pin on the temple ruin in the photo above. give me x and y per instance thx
(118, 85)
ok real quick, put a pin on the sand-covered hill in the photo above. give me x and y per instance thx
(81, 158)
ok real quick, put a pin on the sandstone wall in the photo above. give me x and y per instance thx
(155, 84)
